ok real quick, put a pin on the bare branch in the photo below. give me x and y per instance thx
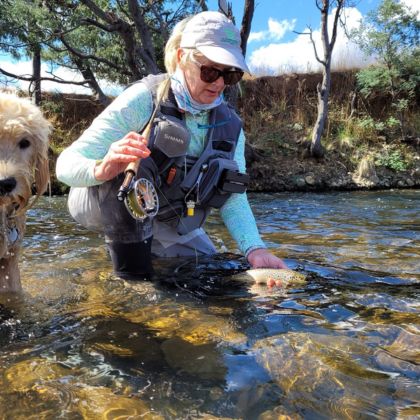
(179, 13)
(319, 5)
(315, 50)
(246, 23)
(50, 79)
(340, 4)
(313, 44)
(83, 56)
(93, 22)
(107, 17)
(203, 5)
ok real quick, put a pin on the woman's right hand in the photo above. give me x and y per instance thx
(131, 147)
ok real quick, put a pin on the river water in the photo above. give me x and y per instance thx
(81, 344)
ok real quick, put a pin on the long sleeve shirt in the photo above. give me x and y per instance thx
(130, 111)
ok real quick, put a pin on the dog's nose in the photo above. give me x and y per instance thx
(7, 185)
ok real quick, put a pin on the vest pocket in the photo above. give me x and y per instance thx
(210, 193)
(171, 212)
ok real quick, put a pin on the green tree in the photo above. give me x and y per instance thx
(391, 34)
(119, 41)
(21, 35)
(27, 31)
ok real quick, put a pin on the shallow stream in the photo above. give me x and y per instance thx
(81, 344)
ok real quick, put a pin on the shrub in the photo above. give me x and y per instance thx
(391, 159)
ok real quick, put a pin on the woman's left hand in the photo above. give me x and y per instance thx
(261, 258)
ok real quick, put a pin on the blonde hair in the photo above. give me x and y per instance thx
(171, 53)
(172, 46)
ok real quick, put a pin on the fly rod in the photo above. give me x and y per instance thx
(132, 168)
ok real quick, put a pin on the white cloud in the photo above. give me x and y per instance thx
(257, 36)
(275, 32)
(277, 29)
(414, 5)
(298, 55)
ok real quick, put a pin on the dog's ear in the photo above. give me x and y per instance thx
(42, 173)
(41, 164)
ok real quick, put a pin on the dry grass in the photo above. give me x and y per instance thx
(70, 115)
(271, 103)
(278, 114)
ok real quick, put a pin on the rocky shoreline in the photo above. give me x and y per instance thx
(283, 173)
(267, 178)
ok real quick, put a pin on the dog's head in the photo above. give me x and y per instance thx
(23, 150)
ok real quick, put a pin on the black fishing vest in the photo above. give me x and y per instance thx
(190, 186)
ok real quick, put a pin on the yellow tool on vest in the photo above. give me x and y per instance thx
(190, 208)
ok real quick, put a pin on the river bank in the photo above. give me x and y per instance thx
(362, 151)
(293, 171)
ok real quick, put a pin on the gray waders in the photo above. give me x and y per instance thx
(130, 242)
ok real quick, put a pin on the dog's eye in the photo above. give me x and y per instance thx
(24, 144)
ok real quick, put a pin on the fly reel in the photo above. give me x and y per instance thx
(142, 200)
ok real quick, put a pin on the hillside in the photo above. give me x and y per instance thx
(362, 151)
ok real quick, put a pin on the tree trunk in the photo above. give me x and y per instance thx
(323, 93)
(126, 32)
(232, 92)
(203, 5)
(92, 82)
(128, 36)
(316, 149)
(36, 76)
(246, 24)
(147, 50)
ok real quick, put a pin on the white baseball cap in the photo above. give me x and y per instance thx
(216, 37)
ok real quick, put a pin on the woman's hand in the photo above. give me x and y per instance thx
(261, 258)
(131, 147)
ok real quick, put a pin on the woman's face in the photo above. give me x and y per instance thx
(202, 92)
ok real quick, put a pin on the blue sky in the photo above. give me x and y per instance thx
(301, 12)
(273, 47)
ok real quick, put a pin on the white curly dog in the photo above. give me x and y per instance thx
(23, 168)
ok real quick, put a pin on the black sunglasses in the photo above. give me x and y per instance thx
(210, 74)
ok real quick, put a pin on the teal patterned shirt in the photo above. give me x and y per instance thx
(130, 111)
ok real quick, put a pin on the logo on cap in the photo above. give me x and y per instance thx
(229, 36)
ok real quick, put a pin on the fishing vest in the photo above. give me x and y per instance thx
(189, 187)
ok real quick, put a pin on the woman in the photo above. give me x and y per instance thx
(202, 56)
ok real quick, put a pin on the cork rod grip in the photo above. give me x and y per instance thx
(134, 166)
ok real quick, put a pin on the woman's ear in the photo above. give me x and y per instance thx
(179, 54)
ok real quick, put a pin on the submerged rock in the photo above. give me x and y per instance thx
(203, 361)
(23, 376)
(102, 403)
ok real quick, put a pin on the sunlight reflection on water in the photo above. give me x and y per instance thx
(82, 344)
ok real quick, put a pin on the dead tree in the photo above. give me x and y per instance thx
(246, 23)
(232, 92)
(323, 89)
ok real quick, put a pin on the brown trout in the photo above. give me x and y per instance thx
(281, 276)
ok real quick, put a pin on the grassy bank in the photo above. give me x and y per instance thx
(362, 138)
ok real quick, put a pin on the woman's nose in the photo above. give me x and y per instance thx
(220, 83)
